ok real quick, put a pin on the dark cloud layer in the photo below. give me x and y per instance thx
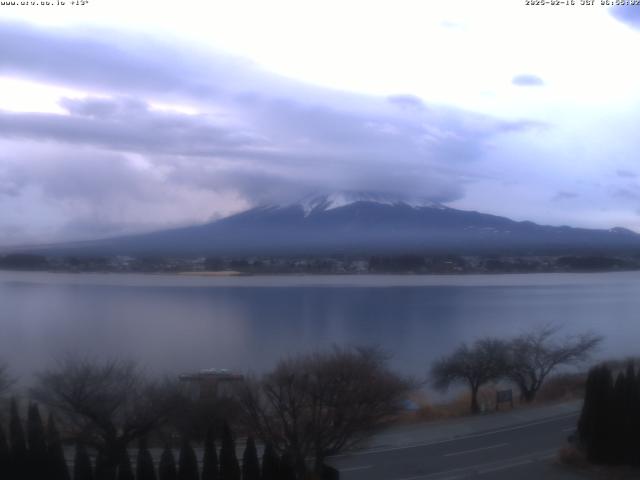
(102, 60)
(129, 125)
(256, 137)
(627, 14)
(626, 173)
(527, 80)
(564, 196)
(407, 101)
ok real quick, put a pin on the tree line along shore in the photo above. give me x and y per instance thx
(333, 264)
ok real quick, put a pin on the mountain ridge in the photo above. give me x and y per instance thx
(359, 222)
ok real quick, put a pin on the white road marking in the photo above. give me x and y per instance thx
(520, 417)
(463, 472)
(506, 466)
(456, 439)
(548, 456)
(464, 452)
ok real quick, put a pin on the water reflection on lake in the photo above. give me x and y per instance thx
(173, 323)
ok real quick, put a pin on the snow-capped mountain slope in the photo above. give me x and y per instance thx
(322, 203)
(362, 223)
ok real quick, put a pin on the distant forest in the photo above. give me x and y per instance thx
(333, 264)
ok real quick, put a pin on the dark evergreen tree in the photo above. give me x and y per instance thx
(270, 462)
(610, 417)
(144, 465)
(19, 452)
(167, 468)
(587, 420)
(57, 464)
(82, 469)
(635, 450)
(618, 421)
(188, 462)
(125, 471)
(635, 419)
(229, 468)
(286, 469)
(631, 415)
(604, 441)
(37, 445)
(5, 456)
(99, 471)
(103, 469)
(250, 464)
(330, 473)
(594, 426)
(210, 470)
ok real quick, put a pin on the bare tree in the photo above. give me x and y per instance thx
(313, 406)
(484, 361)
(108, 404)
(535, 354)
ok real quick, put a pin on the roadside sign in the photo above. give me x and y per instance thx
(504, 396)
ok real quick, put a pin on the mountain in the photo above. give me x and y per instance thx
(360, 223)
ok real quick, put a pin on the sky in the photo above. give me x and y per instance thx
(128, 116)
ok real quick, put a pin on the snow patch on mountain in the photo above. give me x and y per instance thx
(622, 231)
(323, 203)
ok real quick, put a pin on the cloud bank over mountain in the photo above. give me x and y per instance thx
(104, 132)
(157, 124)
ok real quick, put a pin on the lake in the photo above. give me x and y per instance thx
(173, 323)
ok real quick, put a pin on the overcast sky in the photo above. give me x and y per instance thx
(124, 116)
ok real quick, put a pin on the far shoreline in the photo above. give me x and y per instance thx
(209, 273)
(213, 279)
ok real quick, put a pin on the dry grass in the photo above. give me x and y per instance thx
(570, 456)
(559, 388)
(562, 387)
(455, 408)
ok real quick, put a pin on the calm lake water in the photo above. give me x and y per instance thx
(176, 323)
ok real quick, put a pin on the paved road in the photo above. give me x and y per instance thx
(522, 451)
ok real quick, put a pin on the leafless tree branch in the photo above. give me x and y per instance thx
(535, 354)
(312, 406)
(482, 362)
(109, 404)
